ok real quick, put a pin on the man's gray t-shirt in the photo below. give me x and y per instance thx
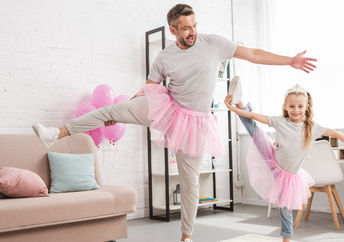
(289, 142)
(193, 72)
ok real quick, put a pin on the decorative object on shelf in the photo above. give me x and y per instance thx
(222, 69)
(176, 195)
(172, 161)
(334, 142)
(338, 147)
(341, 154)
(340, 143)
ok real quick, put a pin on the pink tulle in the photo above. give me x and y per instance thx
(272, 183)
(194, 133)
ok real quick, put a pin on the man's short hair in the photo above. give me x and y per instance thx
(176, 11)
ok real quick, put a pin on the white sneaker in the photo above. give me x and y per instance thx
(47, 135)
(187, 240)
(235, 90)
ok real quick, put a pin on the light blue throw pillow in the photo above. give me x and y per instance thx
(71, 172)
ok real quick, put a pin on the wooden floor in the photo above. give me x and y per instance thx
(213, 226)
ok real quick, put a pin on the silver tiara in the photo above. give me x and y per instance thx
(297, 89)
(186, 9)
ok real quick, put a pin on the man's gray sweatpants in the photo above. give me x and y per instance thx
(135, 111)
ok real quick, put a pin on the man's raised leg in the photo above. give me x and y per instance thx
(134, 111)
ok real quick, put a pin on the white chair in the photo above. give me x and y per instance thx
(322, 165)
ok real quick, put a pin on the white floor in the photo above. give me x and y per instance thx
(216, 225)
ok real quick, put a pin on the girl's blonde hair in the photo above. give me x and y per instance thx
(308, 121)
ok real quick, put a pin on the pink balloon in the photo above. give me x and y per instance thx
(83, 108)
(113, 132)
(120, 132)
(96, 135)
(109, 131)
(121, 98)
(103, 95)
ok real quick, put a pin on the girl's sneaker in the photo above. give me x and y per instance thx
(235, 90)
(48, 136)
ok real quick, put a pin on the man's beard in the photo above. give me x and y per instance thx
(184, 43)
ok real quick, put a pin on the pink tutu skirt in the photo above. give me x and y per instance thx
(272, 183)
(191, 132)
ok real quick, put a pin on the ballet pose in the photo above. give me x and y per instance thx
(275, 168)
(182, 110)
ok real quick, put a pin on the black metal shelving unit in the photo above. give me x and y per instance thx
(165, 216)
(150, 180)
(230, 158)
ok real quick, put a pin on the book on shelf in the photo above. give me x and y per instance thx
(207, 199)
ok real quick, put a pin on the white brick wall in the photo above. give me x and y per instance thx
(54, 53)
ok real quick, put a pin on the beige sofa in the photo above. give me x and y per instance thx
(97, 215)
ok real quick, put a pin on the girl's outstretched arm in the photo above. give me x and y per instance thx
(335, 134)
(256, 116)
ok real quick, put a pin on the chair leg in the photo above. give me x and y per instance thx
(310, 200)
(337, 199)
(333, 209)
(298, 217)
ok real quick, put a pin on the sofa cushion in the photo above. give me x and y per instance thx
(16, 182)
(59, 208)
(71, 172)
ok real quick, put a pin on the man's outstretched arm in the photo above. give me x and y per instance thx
(259, 56)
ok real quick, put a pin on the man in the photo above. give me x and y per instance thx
(181, 111)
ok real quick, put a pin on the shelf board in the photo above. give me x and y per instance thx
(177, 207)
(341, 161)
(201, 172)
(338, 148)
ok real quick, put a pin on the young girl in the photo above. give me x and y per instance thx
(275, 168)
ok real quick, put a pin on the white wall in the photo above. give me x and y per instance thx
(54, 53)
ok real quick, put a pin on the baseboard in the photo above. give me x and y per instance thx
(254, 202)
(322, 209)
(140, 213)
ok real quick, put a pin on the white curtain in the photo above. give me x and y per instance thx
(316, 26)
(286, 28)
(252, 28)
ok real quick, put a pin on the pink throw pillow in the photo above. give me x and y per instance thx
(16, 182)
